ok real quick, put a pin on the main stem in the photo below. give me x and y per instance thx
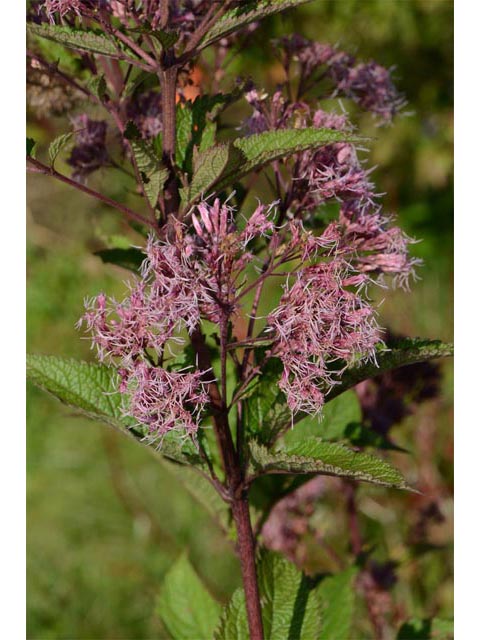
(235, 483)
(234, 472)
(246, 551)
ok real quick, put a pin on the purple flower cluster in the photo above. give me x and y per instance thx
(368, 84)
(182, 281)
(145, 111)
(89, 152)
(184, 16)
(335, 173)
(166, 400)
(321, 318)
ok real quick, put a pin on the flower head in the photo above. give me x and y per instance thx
(89, 152)
(165, 400)
(320, 319)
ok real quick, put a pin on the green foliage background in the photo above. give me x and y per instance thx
(105, 521)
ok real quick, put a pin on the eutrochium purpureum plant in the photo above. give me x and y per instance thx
(245, 319)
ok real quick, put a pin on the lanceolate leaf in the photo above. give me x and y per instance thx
(185, 606)
(153, 174)
(30, 147)
(208, 168)
(248, 12)
(58, 144)
(89, 388)
(80, 39)
(266, 409)
(325, 458)
(196, 127)
(224, 164)
(291, 607)
(404, 352)
(337, 597)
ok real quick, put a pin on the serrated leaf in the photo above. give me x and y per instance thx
(97, 86)
(224, 164)
(57, 145)
(184, 132)
(152, 172)
(289, 601)
(130, 258)
(185, 607)
(401, 353)
(90, 388)
(233, 624)
(207, 170)
(337, 598)
(245, 14)
(195, 126)
(324, 458)
(30, 147)
(79, 39)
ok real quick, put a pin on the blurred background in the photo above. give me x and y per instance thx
(105, 521)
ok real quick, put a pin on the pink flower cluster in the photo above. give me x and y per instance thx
(89, 152)
(334, 172)
(369, 84)
(166, 400)
(183, 281)
(320, 318)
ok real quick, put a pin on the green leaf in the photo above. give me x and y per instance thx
(152, 172)
(57, 145)
(89, 388)
(233, 624)
(336, 416)
(324, 458)
(30, 147)
(195, 126)
(266, 410)
(290, 604)
(184, 133)
(224, 164)
(337, 598)
(130, 258)
(79, 39)
(166, 38)
(185, 607)
(208, 168)
(248, 12)
(97, 86)
(399, 354)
